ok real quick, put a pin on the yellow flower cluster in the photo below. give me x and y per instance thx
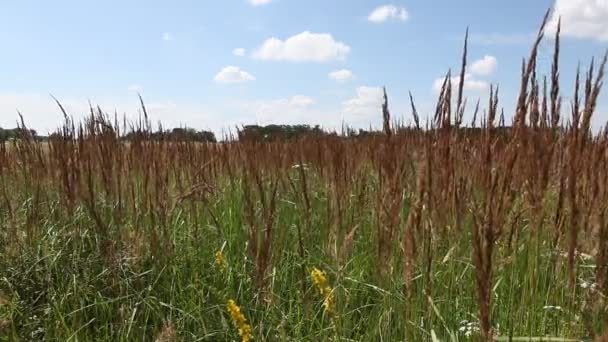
(220, 259)
(320, 280)
(240, 321)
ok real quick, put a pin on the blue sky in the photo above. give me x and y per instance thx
(217, 64)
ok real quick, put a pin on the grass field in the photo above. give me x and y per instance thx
(435, 233)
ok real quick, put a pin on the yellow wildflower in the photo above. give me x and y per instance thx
(320, 280)
(220, 259)
(240, 321)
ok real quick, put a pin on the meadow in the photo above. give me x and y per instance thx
(437, 231)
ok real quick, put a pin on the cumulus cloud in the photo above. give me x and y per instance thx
(342, 75)
(233, 74)
(484, 66)
(361, 111)
(303, 47)
(259, 2)
(368, 101)
(42, 113)
(581, 18)
(386, 12)
(302, 101)
(470, 83)
(295, 109)
(240, 52)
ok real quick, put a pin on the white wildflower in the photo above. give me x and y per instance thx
(588, 285)
(468, 328)
(552, 307)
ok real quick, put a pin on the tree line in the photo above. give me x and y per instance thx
(257, 133)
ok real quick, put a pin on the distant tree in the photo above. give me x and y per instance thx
(17, 133)
(190, 134)
(207, 136)
(277, 132)
(176, 134)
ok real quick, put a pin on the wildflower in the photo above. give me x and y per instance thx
(552, 307)
(468, 328)
(220, 259)
(588, 285)
(297, 166)
(320, 280)
(240, 321)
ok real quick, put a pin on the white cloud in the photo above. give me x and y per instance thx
(135, 88)
(470, 83)
(342, 75)
(383, 13)
(41, 113)
(167, 36)
(240, 52)
(484, 66)
(361, 111)
(368, 101)
(295, 109)
(302, 101)
(581, 18)
(233, 74)
(303, 47)
(259, 2)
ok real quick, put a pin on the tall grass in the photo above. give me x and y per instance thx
(443, 232)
